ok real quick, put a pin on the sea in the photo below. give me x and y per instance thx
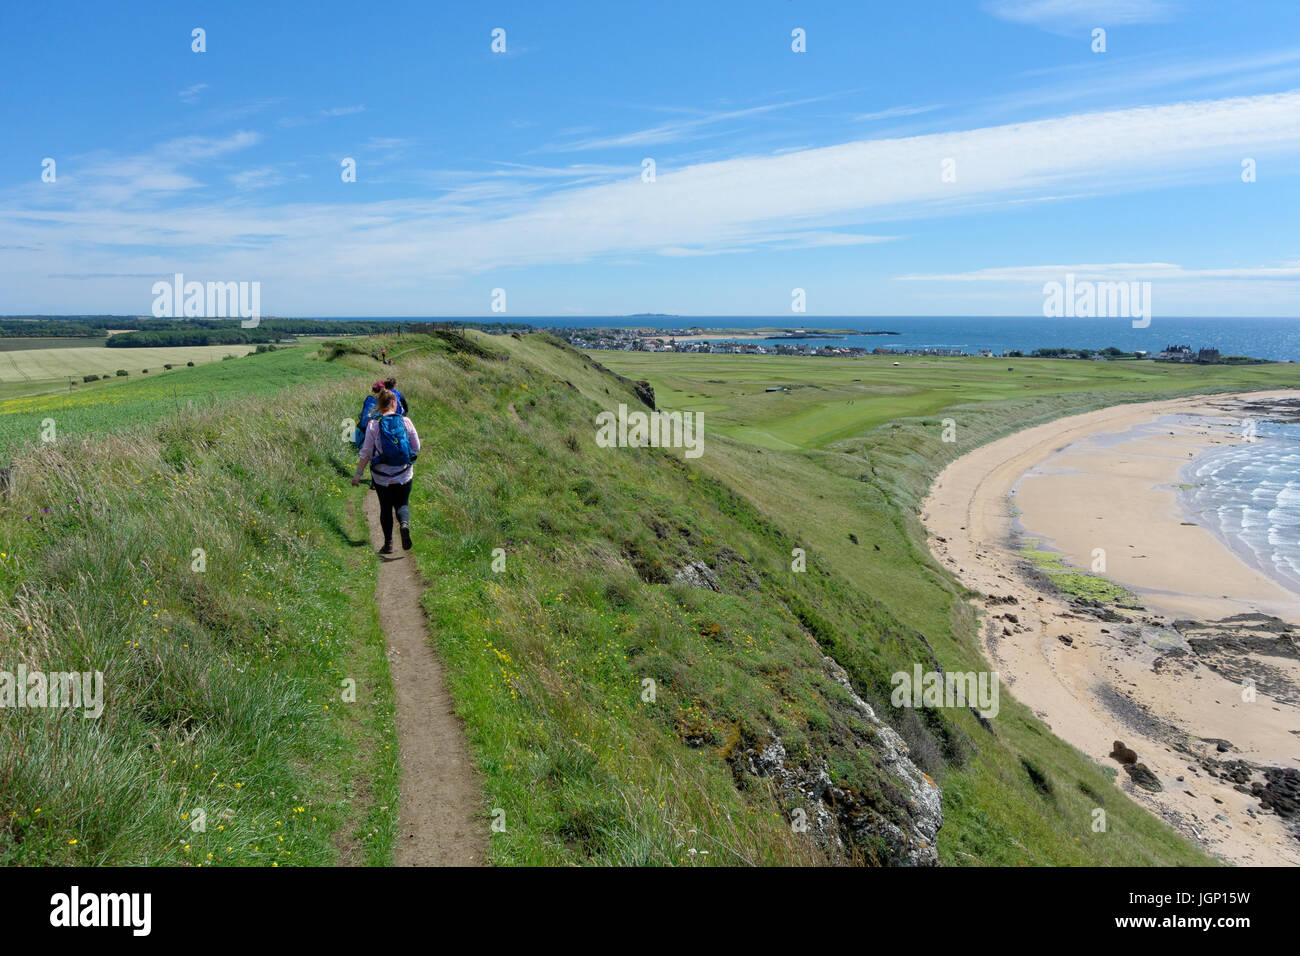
(1248, 494)
(1277, 339)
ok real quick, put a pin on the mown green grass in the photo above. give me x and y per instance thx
(831, 399)
(223, 685)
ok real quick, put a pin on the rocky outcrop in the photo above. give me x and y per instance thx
(844, 822)
(1140, 773)
(1278, 791)
(1144, 777)
(1243, 647)
(697, 574)
(646, 392)
(915, 842)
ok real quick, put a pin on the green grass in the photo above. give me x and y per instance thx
(237, 679)
(546, 658)
(223, 683)
(105, 407)
(832, 399)
(852, 449)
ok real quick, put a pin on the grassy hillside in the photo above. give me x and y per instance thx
(870, 487)
(202, 555)
(618, 714)
(547, 657)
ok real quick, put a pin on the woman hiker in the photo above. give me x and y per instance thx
(390, 383)
(390, 448)
(368, 409)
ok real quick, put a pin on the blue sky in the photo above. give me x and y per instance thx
(775, 170)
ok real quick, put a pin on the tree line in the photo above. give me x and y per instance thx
(150, 332)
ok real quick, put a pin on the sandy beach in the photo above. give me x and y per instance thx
(1164, 676)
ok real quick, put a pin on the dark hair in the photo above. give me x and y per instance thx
(387, 399)
(377, 387)
(390, 382)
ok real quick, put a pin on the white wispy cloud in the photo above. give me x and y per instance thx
(892, 113)
(108, 181)
(1108, 271)
(197, 149)
(1058, 15)
(261, 177)
(809, 197)
(320, 116)
(191, 93)
(1118, 81)
(673, 131)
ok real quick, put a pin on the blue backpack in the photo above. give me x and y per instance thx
(367, 411)
(394, 446)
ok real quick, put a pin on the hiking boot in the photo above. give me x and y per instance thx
(387, 548)
(406, 536)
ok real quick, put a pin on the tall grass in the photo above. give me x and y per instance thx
(209, 567)
(549, 656)
(223, 685)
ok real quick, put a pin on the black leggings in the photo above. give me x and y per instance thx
(393, 498)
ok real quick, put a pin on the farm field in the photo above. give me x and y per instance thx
(117, 403)
(58, 363)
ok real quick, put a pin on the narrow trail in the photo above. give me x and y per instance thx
(440, 821)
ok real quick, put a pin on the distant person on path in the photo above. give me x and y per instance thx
(390, 383)
(368, 409)
(390, 448)
(383, 356)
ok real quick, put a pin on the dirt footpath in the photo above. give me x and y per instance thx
(441, 819)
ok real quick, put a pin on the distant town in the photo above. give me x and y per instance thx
(124, 332)
(765, 342)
